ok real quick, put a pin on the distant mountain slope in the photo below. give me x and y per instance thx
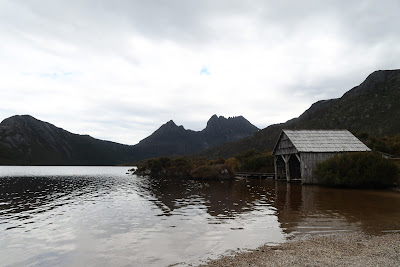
(26, 140)
(171, 139)
(372, 107)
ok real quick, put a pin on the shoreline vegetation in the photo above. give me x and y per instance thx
(343, 249)
(206, 169)
(182, 168)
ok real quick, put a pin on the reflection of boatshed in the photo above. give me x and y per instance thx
(298, 151)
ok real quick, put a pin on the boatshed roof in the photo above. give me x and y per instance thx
(323, 141)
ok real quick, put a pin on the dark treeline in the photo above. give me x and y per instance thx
(385, 144)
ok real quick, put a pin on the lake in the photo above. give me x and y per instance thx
(102, 216)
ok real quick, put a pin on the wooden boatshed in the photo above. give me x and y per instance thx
(297, 152)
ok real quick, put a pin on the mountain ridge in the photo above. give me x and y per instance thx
(25, 140)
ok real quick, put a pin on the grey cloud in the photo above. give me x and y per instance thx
(106, 24)
(169, 19)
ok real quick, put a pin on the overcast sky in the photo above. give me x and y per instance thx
(117, 70)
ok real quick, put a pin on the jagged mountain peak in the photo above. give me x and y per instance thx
(170, 122)
(215, 117)
(170, 126)
(167, 131)
(237, 123)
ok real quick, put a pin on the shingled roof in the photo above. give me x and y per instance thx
(324, 141)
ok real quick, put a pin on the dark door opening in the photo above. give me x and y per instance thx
(294, 167)
(280, 168)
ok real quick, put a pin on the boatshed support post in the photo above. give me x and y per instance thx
(286, 159)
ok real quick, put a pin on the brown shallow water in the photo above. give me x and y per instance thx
(68, 216)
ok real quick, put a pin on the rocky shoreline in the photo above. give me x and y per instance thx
(344, 249)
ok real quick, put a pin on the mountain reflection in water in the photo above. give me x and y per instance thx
(220, 199)
(100, 215)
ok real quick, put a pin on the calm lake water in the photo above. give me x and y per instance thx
(101, 216)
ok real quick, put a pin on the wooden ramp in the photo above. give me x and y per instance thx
(297, 180)
(255, 175)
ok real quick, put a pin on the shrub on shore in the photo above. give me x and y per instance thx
(182, 168)
(368, 170)
(217, 171)
(254, 161)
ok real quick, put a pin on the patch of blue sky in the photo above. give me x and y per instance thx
(204, 71)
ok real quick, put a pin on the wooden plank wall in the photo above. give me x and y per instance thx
(308, 163)
(285, 146)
